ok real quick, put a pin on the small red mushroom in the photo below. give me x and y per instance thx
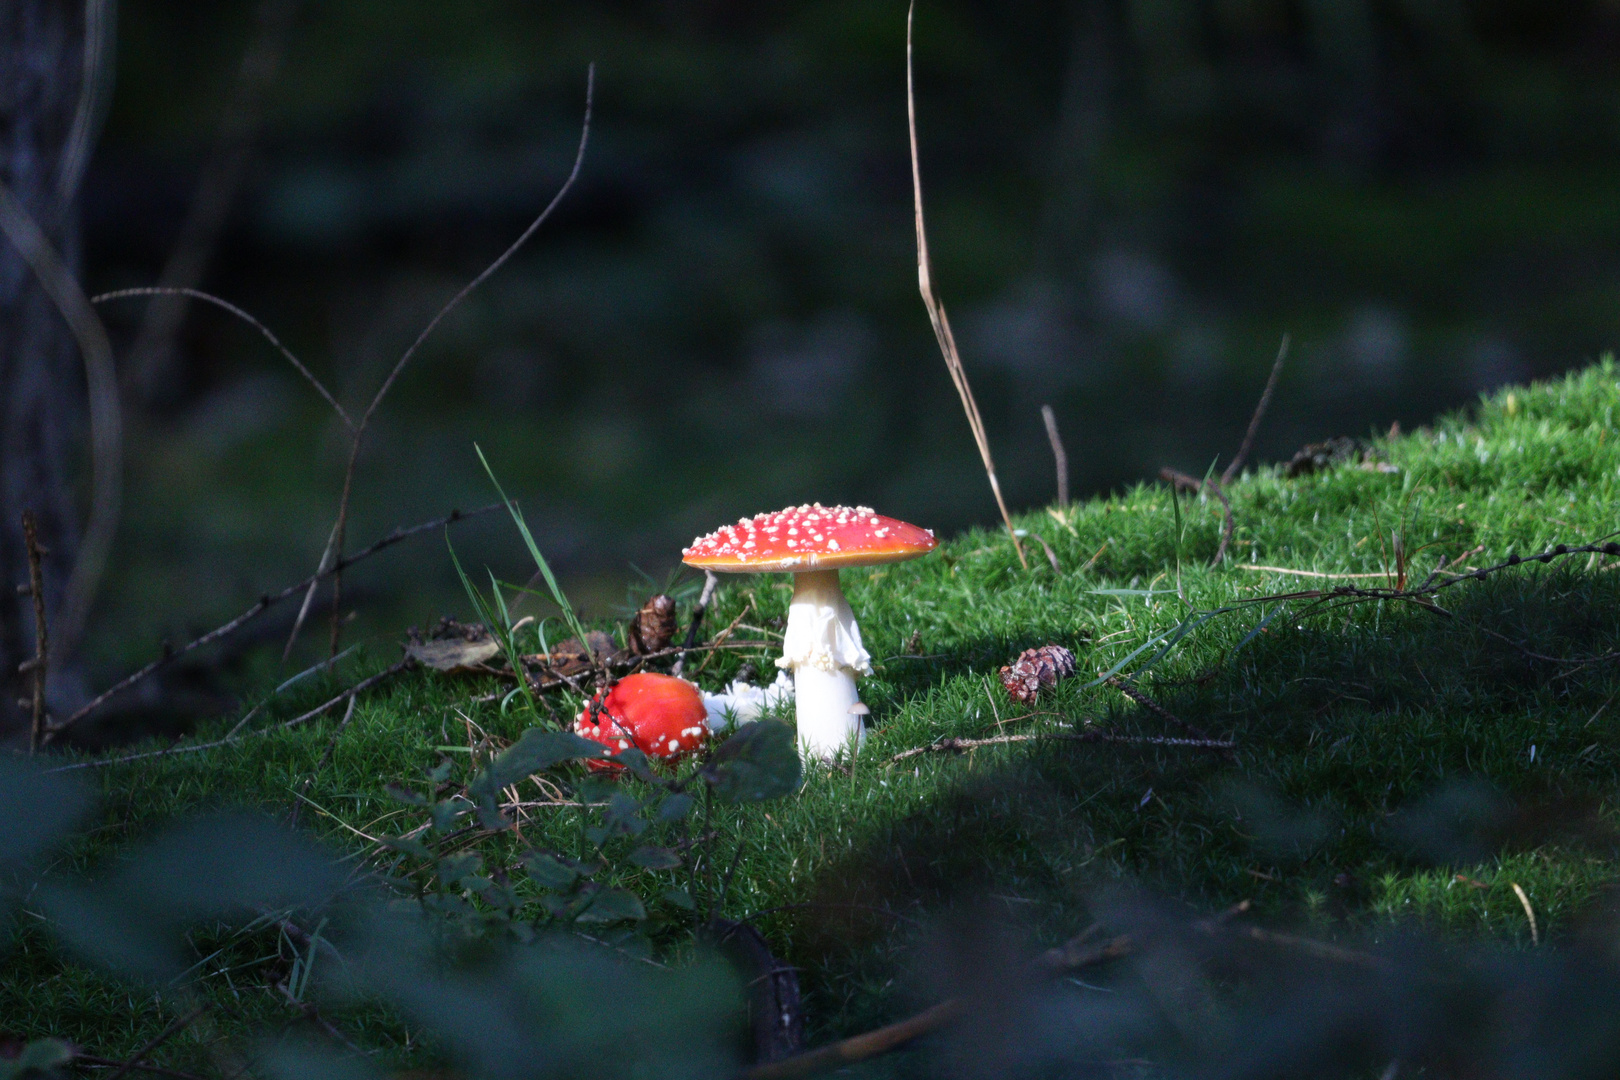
(661, 716)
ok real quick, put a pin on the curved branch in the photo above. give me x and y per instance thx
(106, 422)
(197, 294)
(334, 543)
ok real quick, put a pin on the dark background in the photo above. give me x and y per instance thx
(1130, 203)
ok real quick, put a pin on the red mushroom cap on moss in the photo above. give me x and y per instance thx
(659, 715)
(813, 537)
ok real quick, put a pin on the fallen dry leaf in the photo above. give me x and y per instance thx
(453, 655)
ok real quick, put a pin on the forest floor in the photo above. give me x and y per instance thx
(1444, 762)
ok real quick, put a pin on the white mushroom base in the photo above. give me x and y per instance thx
(822, 647)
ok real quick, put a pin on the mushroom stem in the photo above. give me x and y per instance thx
(822, 647)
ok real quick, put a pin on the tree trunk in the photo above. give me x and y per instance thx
(42, 407)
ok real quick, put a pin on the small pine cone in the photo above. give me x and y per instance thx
(1036, 669)
(653, 627)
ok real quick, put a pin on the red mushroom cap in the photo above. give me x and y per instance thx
(811, 537)
(659, 715)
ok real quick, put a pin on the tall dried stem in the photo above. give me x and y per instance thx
(936, 310)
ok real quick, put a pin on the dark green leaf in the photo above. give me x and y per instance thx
(454, 868)
(610, 906)
(36, 808)
(680, 898)
(409, 845)
(548, 873)
(624, 815)
(759, 762)
(655, 858)
(537, 751)
(675, 807)
(445, 813)
(400, 793)
(39, 1058)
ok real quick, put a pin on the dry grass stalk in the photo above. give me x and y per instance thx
(1060, 457)
(936, 310)
(1242, 455)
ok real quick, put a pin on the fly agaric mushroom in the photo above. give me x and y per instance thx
(821, 645)
(659, 715)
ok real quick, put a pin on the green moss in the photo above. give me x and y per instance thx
(1383, 748)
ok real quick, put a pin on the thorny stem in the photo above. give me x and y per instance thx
(42, 648)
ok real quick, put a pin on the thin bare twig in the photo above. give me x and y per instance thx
(959, 745)
(334, 547)
(331, 747)
(1306, 573)
(1129, 689)
(197, 294)
(313, 1015)
(265, 603)
(111, 1063)
(42, 643)
(1259, 413)
(168, 751)
(1059, 456)
(710, 583)
(1051, 556)
(723, 636)
(936, 310)
(859, 1047)
(1072, 955)
(106, 423)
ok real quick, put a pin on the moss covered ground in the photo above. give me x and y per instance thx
(1398, 765)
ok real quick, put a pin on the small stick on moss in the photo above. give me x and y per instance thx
(936, 310)
(960, 745)
(720, 638)
(331, 746)
(1051, 556)
(710, 583)
(265, 603)
(1070, 956)
(358, 688)
(1242, 455)
(79, 1057)
(1125, 687)
(1058, 455)
(42, 644)
(1529, 912)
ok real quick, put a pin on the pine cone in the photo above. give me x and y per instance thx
(653, 627)
(1035, 669)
